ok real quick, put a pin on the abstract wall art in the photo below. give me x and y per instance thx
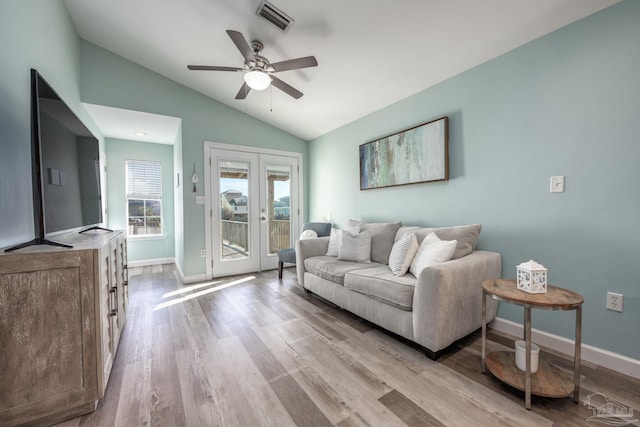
(418, 154)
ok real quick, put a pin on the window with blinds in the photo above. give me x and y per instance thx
(144, 198)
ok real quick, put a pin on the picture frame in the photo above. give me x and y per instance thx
(414, 155)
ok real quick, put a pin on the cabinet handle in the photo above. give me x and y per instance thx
(114, 291)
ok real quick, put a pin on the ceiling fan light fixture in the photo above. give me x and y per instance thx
(257, 80)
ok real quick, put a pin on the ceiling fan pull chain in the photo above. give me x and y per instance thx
(271, 96)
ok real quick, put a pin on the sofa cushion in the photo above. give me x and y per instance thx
(432, 251)
(402, 254)
(334, 239)
(382, 237)
(381, 284)
(331, 269)
(356, 248)
(465, 235)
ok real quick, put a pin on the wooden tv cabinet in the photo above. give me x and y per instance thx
(61, 315)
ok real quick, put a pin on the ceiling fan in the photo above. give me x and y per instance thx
(258, 71)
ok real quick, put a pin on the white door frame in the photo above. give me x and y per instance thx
(270, 261)
(208, 202)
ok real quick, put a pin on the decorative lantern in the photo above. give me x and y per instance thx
(532, 277)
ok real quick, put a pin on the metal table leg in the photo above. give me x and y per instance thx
(577, 356)
(527, 338)
(484, 329)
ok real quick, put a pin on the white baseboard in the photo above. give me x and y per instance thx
(147, 262)
(614, 361)
(193, 279)
(179, 270)
(159, 261)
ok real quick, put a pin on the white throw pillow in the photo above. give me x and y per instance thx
(356, 248)
(432, 251)
(402, 254)
(308, 234)
(334, 240)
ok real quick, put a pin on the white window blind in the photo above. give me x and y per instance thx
(144, 179)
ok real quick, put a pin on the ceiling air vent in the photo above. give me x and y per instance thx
(274, 15)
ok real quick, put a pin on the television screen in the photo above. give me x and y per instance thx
(69, 165)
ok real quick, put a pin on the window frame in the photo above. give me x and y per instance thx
(144, 198)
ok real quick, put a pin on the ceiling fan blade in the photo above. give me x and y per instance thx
(294, 64)
(286, 88)
(244, 90)
(242, 45)
(213, 68)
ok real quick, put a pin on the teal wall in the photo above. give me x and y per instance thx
(118, 152)
(39, 34)
(566, 104)
(108, 79)
(178, 195)
(35, 34)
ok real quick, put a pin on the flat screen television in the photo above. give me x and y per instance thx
(65, 168)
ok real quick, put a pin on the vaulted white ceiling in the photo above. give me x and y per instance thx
(371, 53)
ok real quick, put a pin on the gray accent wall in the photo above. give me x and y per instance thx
(566, 104)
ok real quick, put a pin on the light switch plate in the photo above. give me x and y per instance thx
(557, 184)
(199, 200)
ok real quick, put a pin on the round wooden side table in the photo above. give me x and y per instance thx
(548, 381)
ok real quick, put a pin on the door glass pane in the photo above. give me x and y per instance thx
(278, 207)
(234, 209)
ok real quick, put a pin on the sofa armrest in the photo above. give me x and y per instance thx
(307, 248)
(447, 302)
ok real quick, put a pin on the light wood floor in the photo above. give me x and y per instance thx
(255, 351)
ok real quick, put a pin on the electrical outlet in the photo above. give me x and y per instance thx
(203, 253)
(614, 301)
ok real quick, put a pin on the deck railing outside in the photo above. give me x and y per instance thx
(236, 234)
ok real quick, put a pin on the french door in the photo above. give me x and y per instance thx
(253, 204)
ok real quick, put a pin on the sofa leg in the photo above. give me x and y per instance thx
(280, 265)
(433, 355)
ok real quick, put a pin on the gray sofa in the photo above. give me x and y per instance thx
(440, 306)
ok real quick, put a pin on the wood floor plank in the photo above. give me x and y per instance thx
(252, 350)
(202, 406)
(134, 403)
(167, 407)
(321, 393)
(352, 381)
(412, 414)
(346, 377)
(480, 406)
(354, 420)
(297, 403)
(252, 394)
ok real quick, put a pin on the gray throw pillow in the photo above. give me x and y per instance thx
(356, 248)
(465, 235)
(383, 235)
(334, 240)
